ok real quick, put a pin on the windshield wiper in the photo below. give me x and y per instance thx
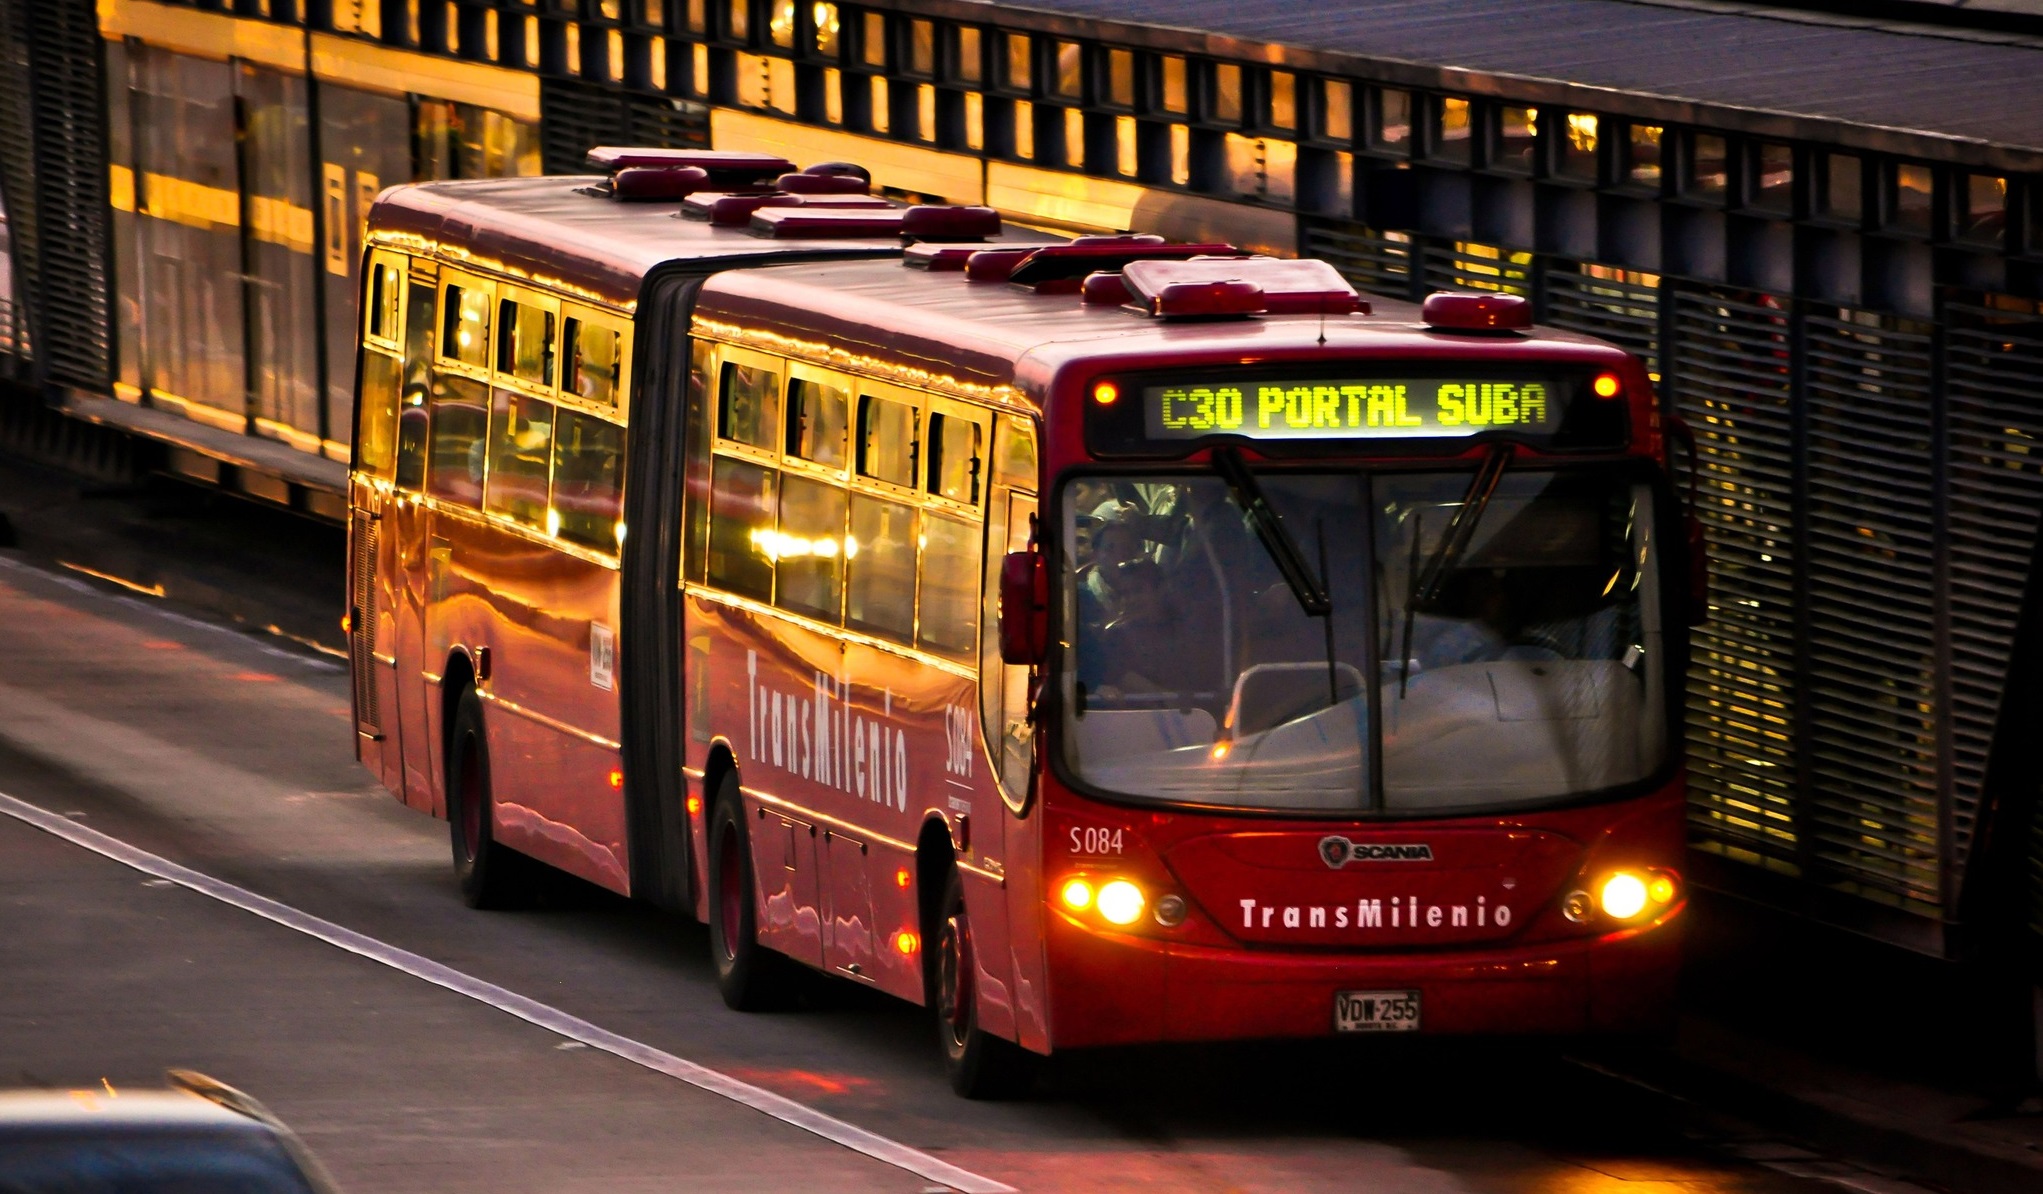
(1276, 539)
(1270, 530)
(1424, 587)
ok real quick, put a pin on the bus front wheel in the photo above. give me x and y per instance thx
(489, 874)
(980, 1065)
(750, 976)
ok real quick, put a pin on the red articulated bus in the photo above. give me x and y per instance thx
(1101, 641)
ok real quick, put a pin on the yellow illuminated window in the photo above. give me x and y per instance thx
(698, 81)
(1391, 128)
(825, 15)
(738, 15)
(464, 332)
(1121, 78)
(1070, 70)
(922, 47)
(698, 16)
(1020, 68)
(1025, 130)
(878, 116)
(525, 342)
(1581, 134)
(781, 26)
(1283, 100)
(1336, 110)
(925, 112)
(969, 66)
(1174, 95)
(615, 55)
(833, 95)
(1074, 138)
(593, 365)
(1180, 155)
(1124, 145)
(975, 120)
(1517, 134)
(1643, 151)
(1452, 143)
(574, 48)
(1225, 103)
(875, 48)
(656, 64)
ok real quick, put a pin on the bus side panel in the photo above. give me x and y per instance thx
(551, 712)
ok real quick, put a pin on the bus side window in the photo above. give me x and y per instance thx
(460, 422)
(741, 517)
(588, 482)
(695, 446)
(376, 439)
(817, 422)
(520, 444)
(879, 588)
(748, 406)
(592, 361)
(525, 342)
(949, 619)
(886, 441)
(418, 371)
(955, 458)
(386, 290)
(464, 330)
(809, 560)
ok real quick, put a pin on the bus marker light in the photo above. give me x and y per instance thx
(906, 942)
(617, 779)
(694, 805)
(1170, 911)
(1607, 385)
(1624, 895)
(1661, 889)
(1077, 895)
(1120, 902)
(901, 877)
(1105, 393)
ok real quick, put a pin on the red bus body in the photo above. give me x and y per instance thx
(870, 768)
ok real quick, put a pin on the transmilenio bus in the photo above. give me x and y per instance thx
(1101, 641)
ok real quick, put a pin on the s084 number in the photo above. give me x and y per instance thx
(1095, 841)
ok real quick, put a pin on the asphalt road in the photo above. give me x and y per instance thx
(228, 752)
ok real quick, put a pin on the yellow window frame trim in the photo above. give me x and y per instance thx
(620, 411)
(450, 278)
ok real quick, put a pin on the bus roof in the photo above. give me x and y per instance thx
(997, 334)
(554, 230)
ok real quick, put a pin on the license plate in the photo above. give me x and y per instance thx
(1376, 1011)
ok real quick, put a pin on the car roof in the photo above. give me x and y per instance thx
(44, 1113)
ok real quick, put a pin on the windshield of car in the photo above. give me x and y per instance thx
(1523, 666)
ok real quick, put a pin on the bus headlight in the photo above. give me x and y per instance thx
(1076, 894)
(1120, 902)
(1623, 896)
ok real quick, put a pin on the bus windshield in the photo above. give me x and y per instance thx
(1457, 640)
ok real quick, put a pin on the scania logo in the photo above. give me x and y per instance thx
(1337, 852)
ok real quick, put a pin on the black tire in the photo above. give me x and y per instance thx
(490, 875)
(750, 976)
(979, 1064)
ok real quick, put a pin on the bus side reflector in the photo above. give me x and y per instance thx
(906, 942)
(617, 779)
(901, 877)
(694, 805)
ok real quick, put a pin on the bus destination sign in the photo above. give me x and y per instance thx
(1384, 408)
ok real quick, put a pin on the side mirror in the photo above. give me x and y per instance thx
(1024, 608)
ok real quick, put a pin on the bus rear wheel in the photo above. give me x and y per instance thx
(490, 875)
(979, 1064)
(750, 976)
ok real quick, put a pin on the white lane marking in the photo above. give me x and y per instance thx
(156, 608)
(851, 1136)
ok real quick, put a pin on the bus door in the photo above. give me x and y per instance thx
(1010, 735)
(372, 572)
(404, 533)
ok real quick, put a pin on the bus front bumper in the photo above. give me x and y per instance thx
(1116, 989)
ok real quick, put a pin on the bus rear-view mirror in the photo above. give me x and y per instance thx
(1024, 608)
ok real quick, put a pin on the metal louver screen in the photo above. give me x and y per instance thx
(1993, 373)
(1467, 266)
(1731, 364)
(1372, 262)
(362, 648)
(65, 64)
(17, 179)
(1873, 707)
(1623, 312)
(574, 117)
